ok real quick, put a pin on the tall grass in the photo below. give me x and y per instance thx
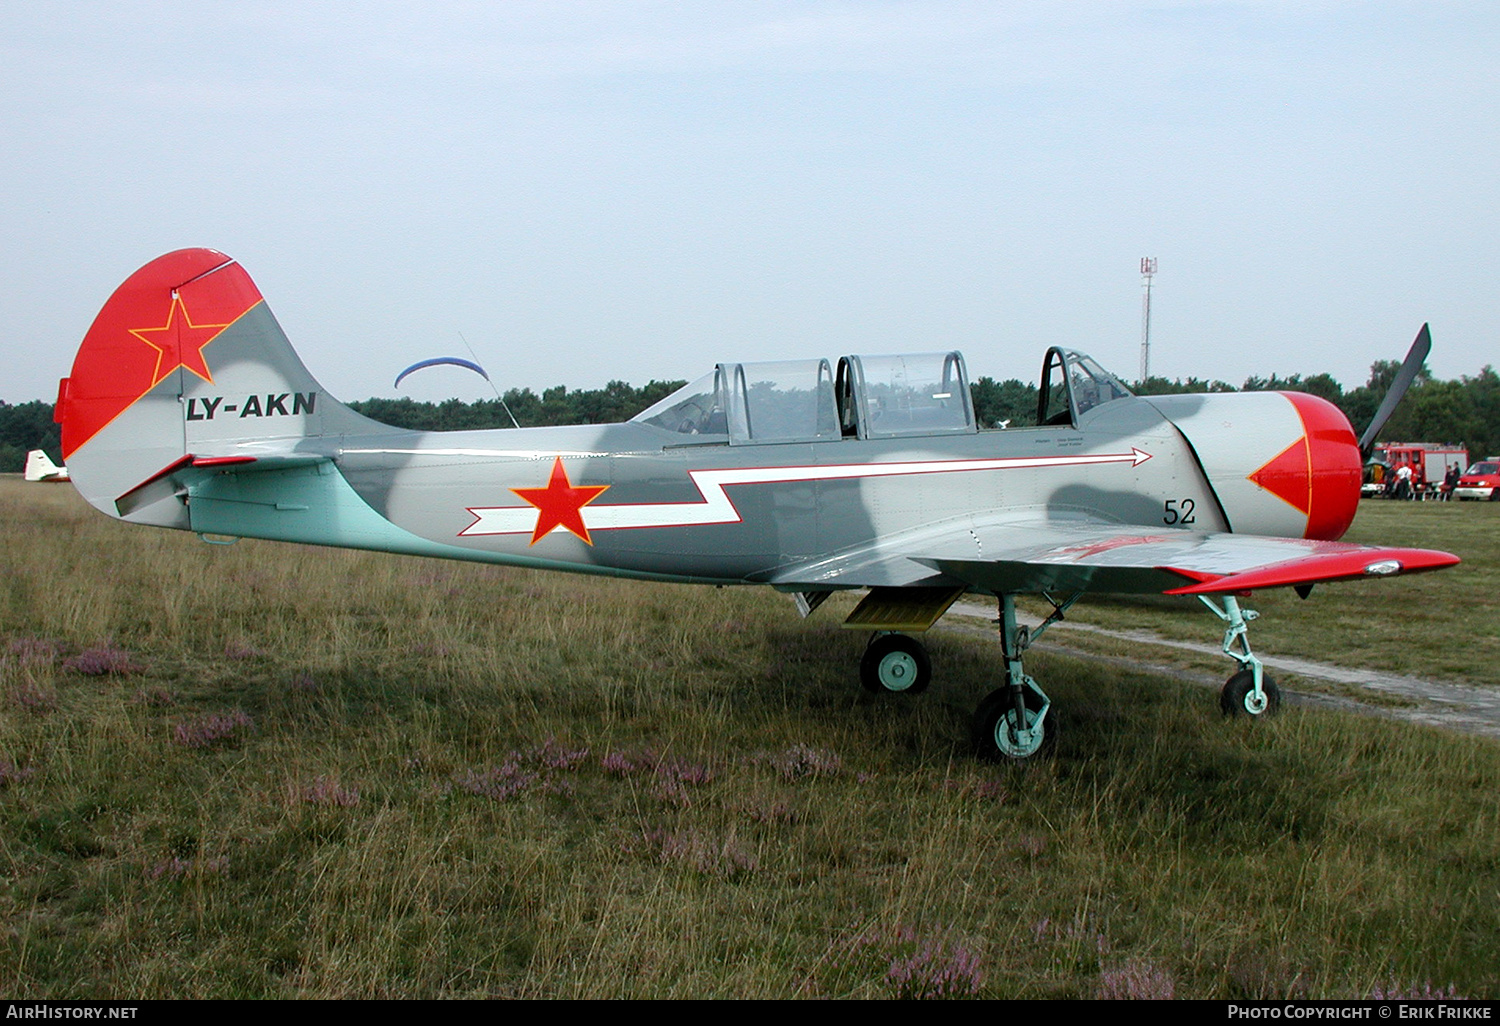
(286, 771)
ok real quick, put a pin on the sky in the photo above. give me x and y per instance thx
(579, 192)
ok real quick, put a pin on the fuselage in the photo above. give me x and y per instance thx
(634, 499)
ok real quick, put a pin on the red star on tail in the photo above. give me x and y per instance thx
(180, 341)
(560, 504)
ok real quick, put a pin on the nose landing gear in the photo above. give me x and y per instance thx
(1250, 691)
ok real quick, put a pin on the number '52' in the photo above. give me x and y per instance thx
(1177, 511)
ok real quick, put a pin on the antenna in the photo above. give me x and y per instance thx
(503, 405)
(1148, 271)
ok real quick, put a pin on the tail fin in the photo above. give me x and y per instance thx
(39, 467)
(184, 365)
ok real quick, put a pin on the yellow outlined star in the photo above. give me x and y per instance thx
(189, 342)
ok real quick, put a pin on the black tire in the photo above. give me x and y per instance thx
(1238, 689)
(994, 736)
(895, 664)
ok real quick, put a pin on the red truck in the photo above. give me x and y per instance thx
(1428, 461)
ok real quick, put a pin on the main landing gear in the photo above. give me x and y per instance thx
(1011, 723)
(1250, 691)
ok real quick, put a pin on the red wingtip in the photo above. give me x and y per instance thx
(1353, 564)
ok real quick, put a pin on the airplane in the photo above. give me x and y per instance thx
(39, 467)
(187, 408)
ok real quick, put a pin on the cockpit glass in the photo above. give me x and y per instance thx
(782, 401)
(1091, 384)
(1073, 384)
(697, 408)
(917, 393)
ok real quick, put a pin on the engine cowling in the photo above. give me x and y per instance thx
(1280, 463)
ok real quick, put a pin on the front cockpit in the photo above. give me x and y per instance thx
(1072, 385)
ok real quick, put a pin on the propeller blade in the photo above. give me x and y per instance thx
(1415, 357)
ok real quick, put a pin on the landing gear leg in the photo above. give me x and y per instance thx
(1011, 723)
(1250, 691)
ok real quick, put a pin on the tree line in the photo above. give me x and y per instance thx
(1465, 411)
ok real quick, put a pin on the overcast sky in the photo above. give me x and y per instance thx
(595, 190)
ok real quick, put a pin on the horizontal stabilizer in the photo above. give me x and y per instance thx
(167, 481)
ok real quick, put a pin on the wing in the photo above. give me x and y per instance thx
(1062, 554)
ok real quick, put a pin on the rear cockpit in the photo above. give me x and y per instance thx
(805, 401)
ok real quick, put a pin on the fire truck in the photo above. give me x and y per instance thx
(1429, 462)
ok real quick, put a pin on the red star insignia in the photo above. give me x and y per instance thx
(560, 504)
(180, 341)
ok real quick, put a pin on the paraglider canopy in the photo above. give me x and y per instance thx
(439, 360)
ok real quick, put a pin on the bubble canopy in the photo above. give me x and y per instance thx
(804, 401)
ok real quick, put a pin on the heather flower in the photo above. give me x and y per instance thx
(326, 791)
(619, 764)
(34, 697)
(498, 783)
(175, 868)
(10, 773)
(936, 970)
(524, 771)
(1137, 981)
(552, 755)
(690, 849)
(206, 731)
(32, 651)
(102, 660)
(802, 760)
(157, 696)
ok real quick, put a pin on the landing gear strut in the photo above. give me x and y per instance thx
(1011, 723)
(1250, 691)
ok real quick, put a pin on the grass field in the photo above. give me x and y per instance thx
(278, 771)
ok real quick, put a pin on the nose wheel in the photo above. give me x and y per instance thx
(1250, 691)
(1240, 698)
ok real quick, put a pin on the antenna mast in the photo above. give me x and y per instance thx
(1148, 271)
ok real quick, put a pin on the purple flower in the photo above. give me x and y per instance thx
(326, 791)
(1137, 980)
(102, 660)
(207, 731)
(936, 970)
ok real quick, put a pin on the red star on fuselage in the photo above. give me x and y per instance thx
(179, 336)
(560, 504)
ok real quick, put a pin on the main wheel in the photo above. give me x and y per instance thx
(997, 734)
(895, 662)
(1238, 696)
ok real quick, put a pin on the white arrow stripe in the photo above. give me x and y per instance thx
(717, 508)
